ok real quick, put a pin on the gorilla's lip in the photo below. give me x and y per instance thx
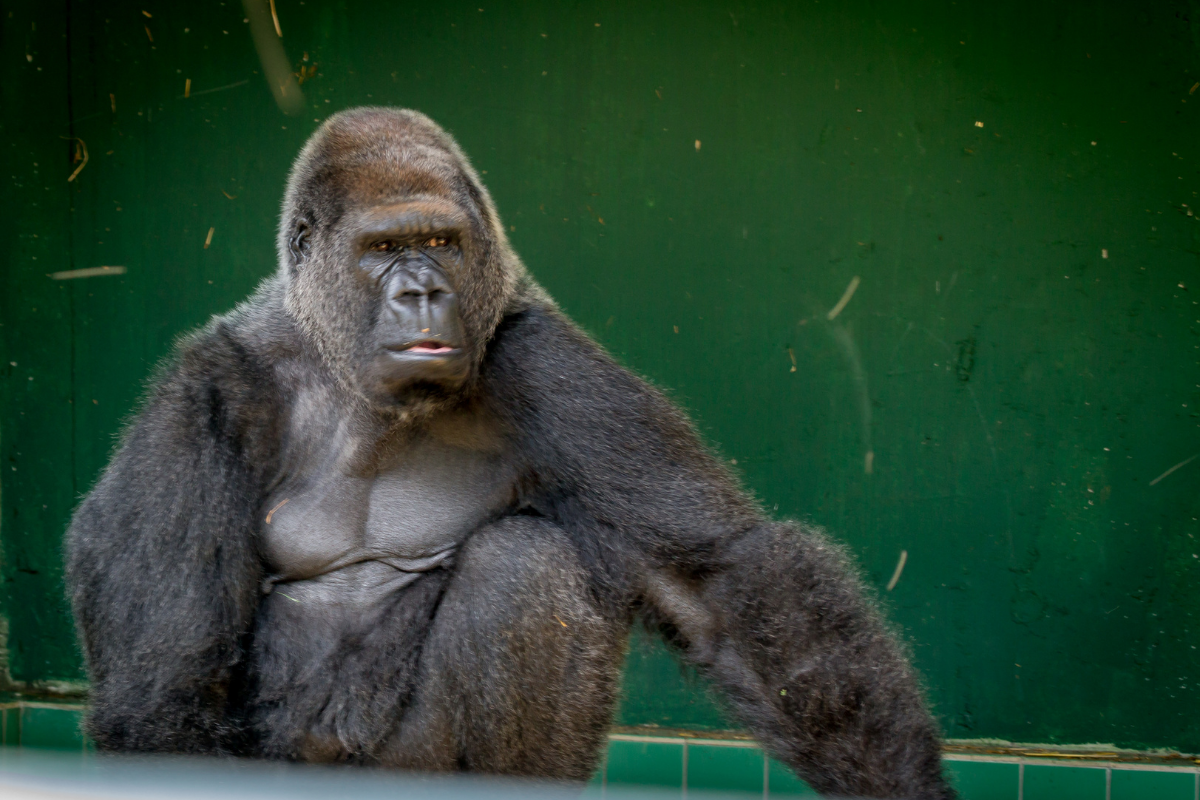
(425, 347)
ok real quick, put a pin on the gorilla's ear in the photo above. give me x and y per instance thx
(298, 244)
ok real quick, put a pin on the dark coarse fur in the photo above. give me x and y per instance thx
(508, 661)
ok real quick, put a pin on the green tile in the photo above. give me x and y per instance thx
(645, 764)
(984, 780)
(54, 728)
(1045, 782)
(782, 782)
(734, 771)
(1137, 784)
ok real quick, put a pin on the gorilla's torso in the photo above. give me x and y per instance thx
(350, 531)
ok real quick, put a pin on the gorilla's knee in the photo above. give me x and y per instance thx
(521, 668)
(521, 559)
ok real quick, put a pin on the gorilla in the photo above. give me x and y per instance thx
(396, 509)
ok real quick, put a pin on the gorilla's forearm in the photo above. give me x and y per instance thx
(772, 612)
(781, 624)
(162, 570)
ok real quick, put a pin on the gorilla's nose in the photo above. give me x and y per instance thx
(425, 306)
(419, 282)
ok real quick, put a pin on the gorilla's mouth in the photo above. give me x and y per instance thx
(431, 348)
(428, 347)
(414, 368)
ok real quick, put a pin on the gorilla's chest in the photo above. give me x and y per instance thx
(337, 525)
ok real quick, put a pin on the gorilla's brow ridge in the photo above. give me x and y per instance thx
(411, 219)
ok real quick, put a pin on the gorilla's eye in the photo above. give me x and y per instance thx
(436, 241)
(384, 246)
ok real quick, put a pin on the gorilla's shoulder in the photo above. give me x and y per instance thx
(541, 334)
(524, 323)
(231, 365)
(538, 353)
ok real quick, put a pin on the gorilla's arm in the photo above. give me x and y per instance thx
(161, 565)
(771, 611)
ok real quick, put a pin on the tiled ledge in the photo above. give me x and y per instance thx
(737, 767)
(734, 766)
(50, 725)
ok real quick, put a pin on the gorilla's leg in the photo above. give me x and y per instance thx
(520, 669)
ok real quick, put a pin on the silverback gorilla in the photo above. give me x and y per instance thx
(396, 509)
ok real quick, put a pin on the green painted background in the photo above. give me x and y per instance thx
(698, 184)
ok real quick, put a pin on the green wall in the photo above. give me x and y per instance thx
(698, 184)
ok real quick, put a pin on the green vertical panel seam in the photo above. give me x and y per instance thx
(683, 780)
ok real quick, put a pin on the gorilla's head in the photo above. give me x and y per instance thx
(394, 260)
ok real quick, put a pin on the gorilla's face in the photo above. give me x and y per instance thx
(394, 265)
(409, 258)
